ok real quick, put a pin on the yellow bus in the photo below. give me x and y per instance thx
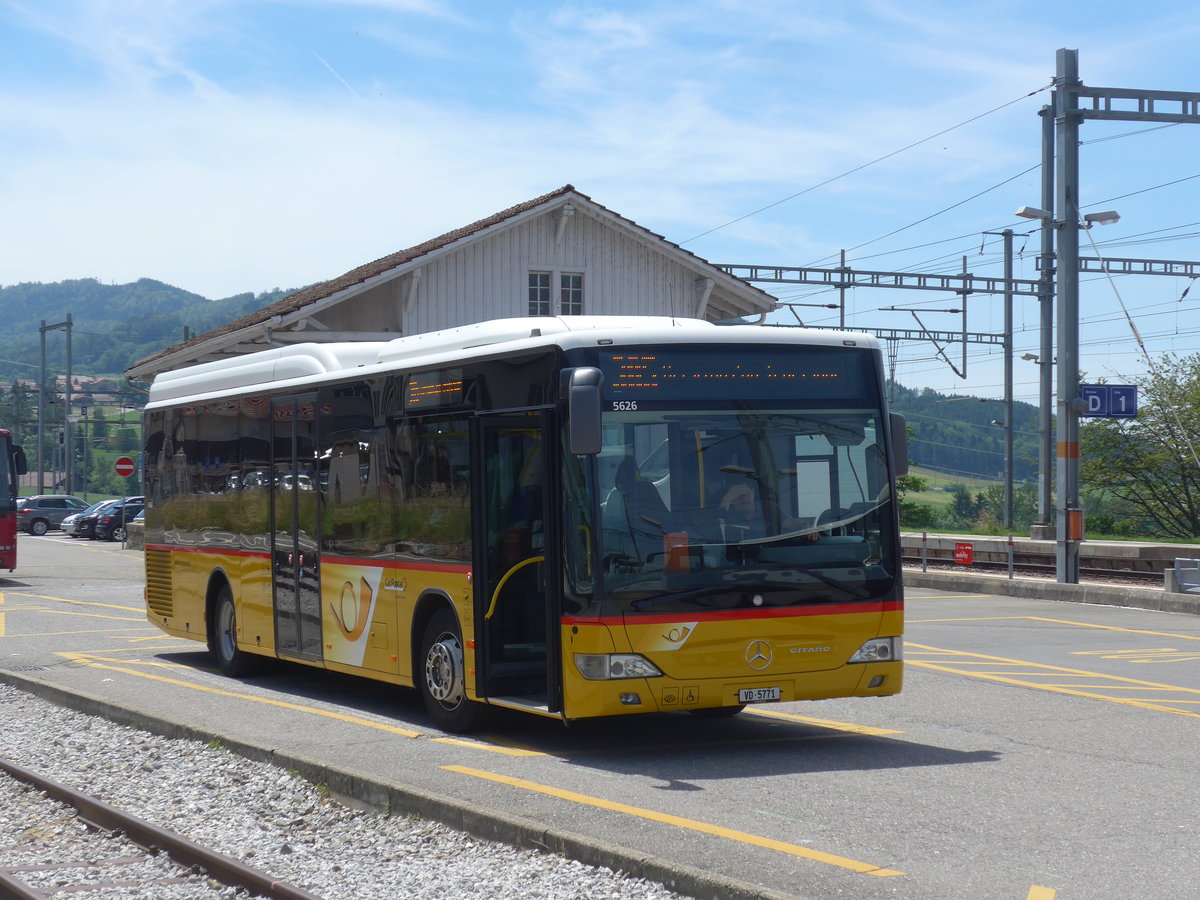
(575, 517)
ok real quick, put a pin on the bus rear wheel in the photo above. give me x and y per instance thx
(442, 678)
(222, 643)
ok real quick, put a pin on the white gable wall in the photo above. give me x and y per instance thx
(488, 278)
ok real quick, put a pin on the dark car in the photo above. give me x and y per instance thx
(84, 525)
(111, 521)
(70, 525)
(40, 513)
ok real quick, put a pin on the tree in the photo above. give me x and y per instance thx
(914, 515)
(992, 506)
(963, 507)
(1151, 464)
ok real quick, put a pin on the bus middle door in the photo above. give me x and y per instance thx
(295, 560)
(516, 631)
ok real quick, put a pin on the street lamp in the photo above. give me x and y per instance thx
(1108, 217)
(1046, 343)
(1069, 531)
(1034, 212)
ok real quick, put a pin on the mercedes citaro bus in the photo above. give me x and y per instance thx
(575, 517)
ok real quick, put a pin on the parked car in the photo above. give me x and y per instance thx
(84, 525)
(111, 521)
(40, 513)
(70, 524)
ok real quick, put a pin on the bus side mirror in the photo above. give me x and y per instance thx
(583, 389)
(899, 430)
(20, 466)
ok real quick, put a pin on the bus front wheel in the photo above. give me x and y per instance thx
(443, 678)
(223, 642)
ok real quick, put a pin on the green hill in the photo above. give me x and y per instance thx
(112, 324)
(954, 434)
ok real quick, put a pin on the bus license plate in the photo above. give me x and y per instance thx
(758, 695)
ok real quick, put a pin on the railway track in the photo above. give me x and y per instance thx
(103, 851)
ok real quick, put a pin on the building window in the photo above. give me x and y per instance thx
(539, 294)
(571, 294)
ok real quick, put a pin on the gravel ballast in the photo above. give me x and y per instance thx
(276, 821)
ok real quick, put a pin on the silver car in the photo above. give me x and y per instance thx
(40, 513)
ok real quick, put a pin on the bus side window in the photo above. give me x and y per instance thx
(434, 519)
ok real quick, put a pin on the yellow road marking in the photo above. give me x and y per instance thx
(137, 609)
(86, 615)
(1116, 654)
(182, 645)
(1183, 637)
(490, 748)
(680, 822)
(1041, 893)
(86, 660)
(1143, 657)
(1171, 634)
(1, 616)
(100, 657)
(823, 723)
(965, 618)
(112, 631)
(1107, 682)
(513, 749)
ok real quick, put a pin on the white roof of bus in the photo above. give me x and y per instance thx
(296, 365)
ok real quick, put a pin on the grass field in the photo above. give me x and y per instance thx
(937, 491)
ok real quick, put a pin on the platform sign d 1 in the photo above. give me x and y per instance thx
(1109, 401)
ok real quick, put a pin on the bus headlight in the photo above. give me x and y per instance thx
(607, 666)
(886, 649)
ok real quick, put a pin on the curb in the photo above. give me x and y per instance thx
(359, 790)
(1040, 589)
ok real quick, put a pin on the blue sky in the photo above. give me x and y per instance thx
(225, 146)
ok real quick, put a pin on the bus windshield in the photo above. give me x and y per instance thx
(742, 508)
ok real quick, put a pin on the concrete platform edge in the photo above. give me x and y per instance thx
(390, 798)
(1039, 588)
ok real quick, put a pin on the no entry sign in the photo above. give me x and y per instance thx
(124, 466)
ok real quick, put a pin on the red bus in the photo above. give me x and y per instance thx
(12, 464)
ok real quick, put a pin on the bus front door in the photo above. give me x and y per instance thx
(517, 642)
(295, 561)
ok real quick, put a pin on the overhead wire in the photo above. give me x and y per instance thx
(799, 294)
(1171, 407)
(866, 165)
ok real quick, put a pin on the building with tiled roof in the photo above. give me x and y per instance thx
(559, 254)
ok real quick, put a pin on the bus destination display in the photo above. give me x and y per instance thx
(431, 390)
(655, 378)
